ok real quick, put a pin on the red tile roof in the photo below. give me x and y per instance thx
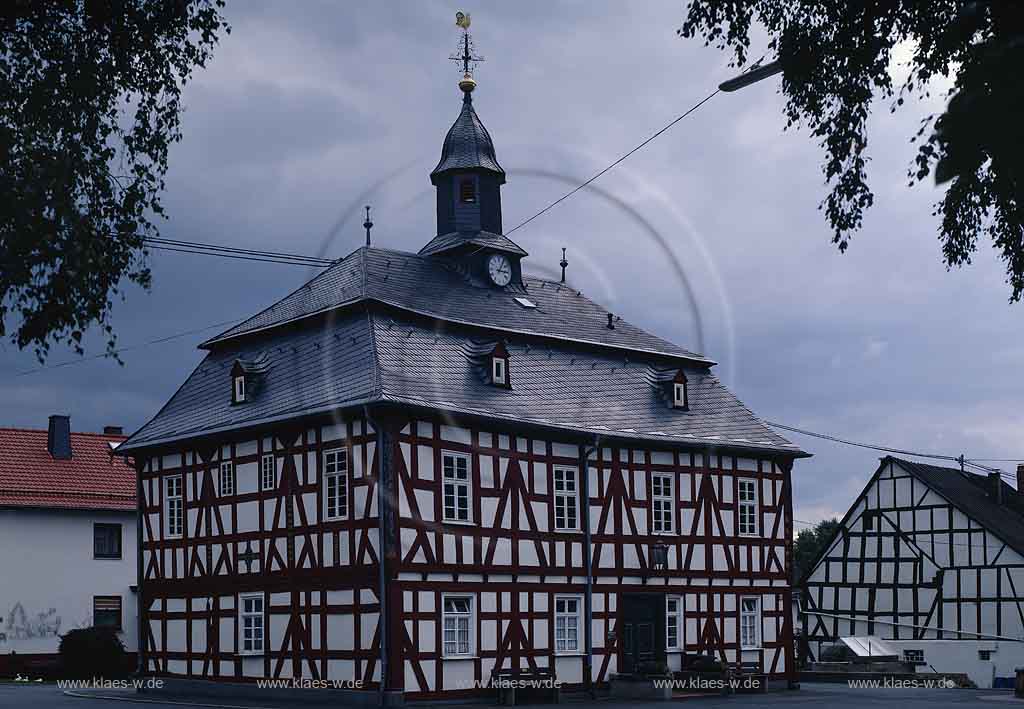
(91, 479)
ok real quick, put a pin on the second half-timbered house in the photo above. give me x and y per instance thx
(420, 468)
(930, 560)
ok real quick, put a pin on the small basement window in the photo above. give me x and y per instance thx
(238, 392)
(106, 612)
(467, 190)
(914, 657)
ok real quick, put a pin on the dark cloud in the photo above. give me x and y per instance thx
(309, 111)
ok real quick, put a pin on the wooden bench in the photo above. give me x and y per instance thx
(525, 686)
(750, 672)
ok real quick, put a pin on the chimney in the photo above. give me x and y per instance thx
(995, 481)
(611, 321)
(113, 431)
(1020, 479)
(58, 437)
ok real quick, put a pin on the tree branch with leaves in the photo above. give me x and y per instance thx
(90, 102)
(835, 56)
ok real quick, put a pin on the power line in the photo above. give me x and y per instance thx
(970, 462)
(871, 446)
(207, 249)
(573, 191)
(119, 350)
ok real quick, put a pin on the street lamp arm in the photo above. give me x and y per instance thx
(751, 77)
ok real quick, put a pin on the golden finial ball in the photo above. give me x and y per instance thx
(467, 83)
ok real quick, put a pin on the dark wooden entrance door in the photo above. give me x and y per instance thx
(643, 630)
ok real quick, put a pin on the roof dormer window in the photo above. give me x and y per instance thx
(238, 391)
(499, 367)
(247, 378)
(467, 190)
(680, 395)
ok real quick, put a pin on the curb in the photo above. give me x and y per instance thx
(138, 699)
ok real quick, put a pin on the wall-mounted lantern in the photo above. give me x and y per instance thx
(659, 556)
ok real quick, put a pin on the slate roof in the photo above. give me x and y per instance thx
(486, 239)
(972, 494)
(467, 144)
(564, 387)
(314, 369)
(363, 356)
(434, 287)
(92, 478)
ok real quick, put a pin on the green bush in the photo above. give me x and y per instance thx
(836, 653)
(93, 652)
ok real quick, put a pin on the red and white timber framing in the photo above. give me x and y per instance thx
(321, 580)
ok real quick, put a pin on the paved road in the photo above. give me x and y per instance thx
(825, 695)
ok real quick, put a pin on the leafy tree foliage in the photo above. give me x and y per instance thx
(836, 55)
(809, 543)
(90, 96)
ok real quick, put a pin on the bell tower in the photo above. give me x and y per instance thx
(468, 178)
(468, 182)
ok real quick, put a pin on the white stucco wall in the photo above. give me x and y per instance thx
(48, 576)
(962, 656)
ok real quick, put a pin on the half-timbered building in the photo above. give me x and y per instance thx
(930, 560)
(420, 468)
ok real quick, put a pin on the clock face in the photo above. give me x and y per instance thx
(499, 269)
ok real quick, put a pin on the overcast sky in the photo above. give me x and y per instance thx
(310, 110)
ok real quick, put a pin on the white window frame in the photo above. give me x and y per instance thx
(753, 617)
(336, 502)
(258, 624)
(570, 622)
(268, 471)
(746, 505)
(239, 388)
(499, 371)
(460, 488)
(174, 506)
(566, 499)
(227, 478)
(678, 395)
(674, 620)
(468, 618)
(660, 500)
